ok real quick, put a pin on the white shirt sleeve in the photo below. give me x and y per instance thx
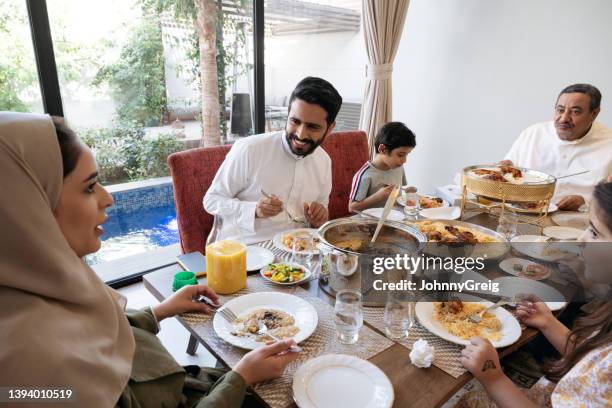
(230, 180)
(327, 186)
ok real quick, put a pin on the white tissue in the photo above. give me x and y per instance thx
(422, 354)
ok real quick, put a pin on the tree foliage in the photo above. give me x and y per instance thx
(137, 78)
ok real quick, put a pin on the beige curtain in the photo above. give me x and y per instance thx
(383, 22)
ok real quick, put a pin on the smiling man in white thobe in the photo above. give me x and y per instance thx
(571, 143)
(270, 178)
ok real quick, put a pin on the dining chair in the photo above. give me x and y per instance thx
(348, 151)
(192, 173)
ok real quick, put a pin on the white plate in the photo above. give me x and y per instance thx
(441, 213)
(525, 245)
(401, 200)
(507, 265)
(277, 240)
(511, 329)
(563, 233)
(341, 381)
(305, 315)
(307, 274)
(552, 207)
(394, 215)
(511, 286)
(571, 219)
(258, 257)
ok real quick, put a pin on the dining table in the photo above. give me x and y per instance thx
(413, 386)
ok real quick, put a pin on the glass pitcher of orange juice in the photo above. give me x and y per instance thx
(225, 255)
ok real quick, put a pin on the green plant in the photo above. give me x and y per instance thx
(137, 79)
(123, 153)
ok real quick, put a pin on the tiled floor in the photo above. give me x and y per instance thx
(172, 334)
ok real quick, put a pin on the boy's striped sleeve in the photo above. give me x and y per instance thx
(361, 184)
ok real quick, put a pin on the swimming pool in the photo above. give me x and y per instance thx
(133, 232)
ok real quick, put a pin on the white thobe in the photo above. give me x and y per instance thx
(539, 148)
(265, 162)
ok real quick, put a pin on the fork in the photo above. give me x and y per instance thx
(227, 314)
(477, 317)
(262, 330)
(291, 217)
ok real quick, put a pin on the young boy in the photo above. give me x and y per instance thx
(373, 183)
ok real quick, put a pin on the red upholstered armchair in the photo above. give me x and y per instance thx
(193, 171)
(348, 151)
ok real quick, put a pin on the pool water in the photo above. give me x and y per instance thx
(136, 232)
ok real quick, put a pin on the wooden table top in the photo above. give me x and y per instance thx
(413, 387)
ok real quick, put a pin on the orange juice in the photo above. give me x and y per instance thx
(226, 266)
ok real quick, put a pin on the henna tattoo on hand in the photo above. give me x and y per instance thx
(488, 365)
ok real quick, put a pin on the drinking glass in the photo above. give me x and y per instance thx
(413, 205)
(508, 224)
(399, 314)
(348, 315)
(303, 256)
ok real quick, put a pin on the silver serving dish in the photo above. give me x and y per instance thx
(488, 251)
(348, 257)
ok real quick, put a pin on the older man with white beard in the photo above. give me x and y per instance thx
(571, 143)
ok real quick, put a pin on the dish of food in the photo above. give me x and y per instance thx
(501, 327)
(286, 241)
(508, 174)
(453, 315)
(282, 309)
(280, 324)
(531, 207)
(444, 233)
(340, 380)
(285, 273)
(425, 201)
(459, 238)
(537, 247)
(515, 287)
(524, 268)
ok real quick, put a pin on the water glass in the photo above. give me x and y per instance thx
(303, 256)
(399, 315)
(412, 206)
(508, 224)
(348, 315)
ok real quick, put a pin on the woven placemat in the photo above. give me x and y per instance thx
(447, 354)
(277, 393)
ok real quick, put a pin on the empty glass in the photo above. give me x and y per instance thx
(348, 315)
(508, 224)
(412, 206)
(301, 254)
(398, 316)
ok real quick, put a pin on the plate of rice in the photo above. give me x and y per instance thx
(449, 320)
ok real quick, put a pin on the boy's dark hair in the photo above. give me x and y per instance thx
(319, 92)
(394, 135)
(587, 89)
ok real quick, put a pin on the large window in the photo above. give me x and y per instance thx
(314, 38)
(19, 87)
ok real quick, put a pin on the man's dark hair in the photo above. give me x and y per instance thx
(587, 89)
(394, 135)
(319, 92)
